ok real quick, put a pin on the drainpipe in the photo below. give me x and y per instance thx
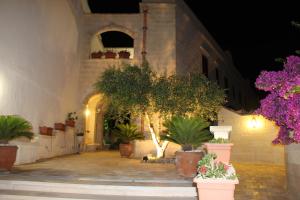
(145, 16)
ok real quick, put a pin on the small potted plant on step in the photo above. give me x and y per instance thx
(215, 180)
(11, 127)
(190, 133)
(127, 133)
(71, 118)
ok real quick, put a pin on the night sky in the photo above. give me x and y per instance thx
(254, 33)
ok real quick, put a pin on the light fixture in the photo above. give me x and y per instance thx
(254, 122)
(87, 112)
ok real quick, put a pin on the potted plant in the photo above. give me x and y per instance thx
(98, 54)
(59, 126)
(71, 118)
(110, 54)
(44, 130)
(11, 127)
(215, 180)
(80, 139)
(220, 145)
(124, 54)
(190, 133)
(127, 133)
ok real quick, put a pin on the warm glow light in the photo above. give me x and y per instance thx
(254, 123)
(87, 112)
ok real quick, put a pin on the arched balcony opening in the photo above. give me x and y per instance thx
(112, 45)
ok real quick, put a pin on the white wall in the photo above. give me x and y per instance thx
(252, 145)
(38, 61)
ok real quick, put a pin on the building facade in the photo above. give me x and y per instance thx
(49, 62)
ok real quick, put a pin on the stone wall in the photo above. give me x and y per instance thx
(293, 170)
(39, 66)
(252, 145)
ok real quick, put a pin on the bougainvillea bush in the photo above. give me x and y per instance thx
(282, 104)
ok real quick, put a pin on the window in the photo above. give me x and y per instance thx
(233, 92)
(205, 65)
(217, 76)
(226, 84)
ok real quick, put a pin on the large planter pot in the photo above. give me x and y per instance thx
(215, 189)
(186, 162)
(126, 150)
(292, 153)
(8, 156)
(223, 151)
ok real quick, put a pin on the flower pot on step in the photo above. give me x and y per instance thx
(223, 151)
(59, 126)
(126, 150)
(215, 189)
(7, 156)
(70, 123)
(44, 130)
(186, 162)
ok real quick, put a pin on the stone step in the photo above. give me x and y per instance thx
(30, 195)
(96, 189)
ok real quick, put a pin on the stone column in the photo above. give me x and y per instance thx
(293, 170)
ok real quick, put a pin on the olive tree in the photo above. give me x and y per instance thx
(138, 90)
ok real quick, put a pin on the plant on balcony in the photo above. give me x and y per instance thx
(124, 54)
(12, 127)
(98, 54)
(110, 54)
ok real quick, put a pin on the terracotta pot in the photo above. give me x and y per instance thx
(215, 189)
(126, 150)
(70, 123)
(8, 156)
(187, 161)
(44, 130)
(110, 54)
(124, 54)
(98, 54)
(223, 151)
(59, 126)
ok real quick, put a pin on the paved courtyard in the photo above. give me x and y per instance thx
(257, 182)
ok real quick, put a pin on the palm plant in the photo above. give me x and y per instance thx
(189, 132)
(12, 126)
(127, 133)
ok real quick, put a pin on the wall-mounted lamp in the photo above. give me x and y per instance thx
(254, 122)
(87, 112)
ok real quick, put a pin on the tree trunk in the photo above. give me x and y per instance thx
(160, 149)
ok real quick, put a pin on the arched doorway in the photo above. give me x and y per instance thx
(94, 120)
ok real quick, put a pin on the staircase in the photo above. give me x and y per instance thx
(101, 189)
